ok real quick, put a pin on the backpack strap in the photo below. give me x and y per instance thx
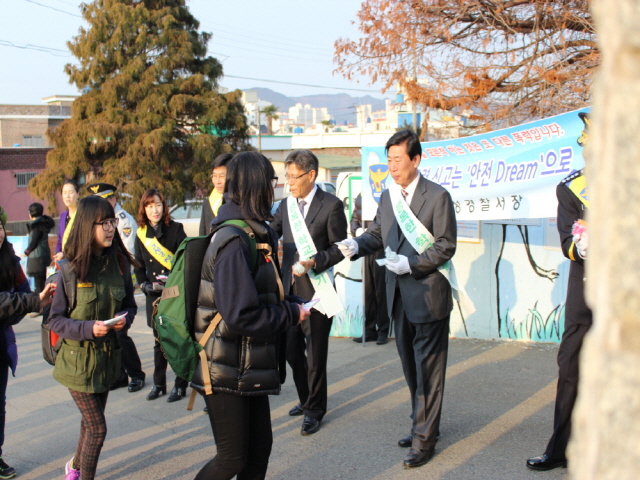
(69, 280)
(204, 364)
(252, 239)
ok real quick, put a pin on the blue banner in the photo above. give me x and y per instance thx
(504, 174)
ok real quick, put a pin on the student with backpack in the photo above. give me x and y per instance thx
(244, 355)
(157, 239)
(93, 286)
(15, 301)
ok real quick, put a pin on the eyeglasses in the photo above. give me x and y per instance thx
(293, 178)
(274, 182)
(109, 222)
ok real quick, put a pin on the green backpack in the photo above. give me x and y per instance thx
(175, 310)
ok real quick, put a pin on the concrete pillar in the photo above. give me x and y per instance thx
(606, 433)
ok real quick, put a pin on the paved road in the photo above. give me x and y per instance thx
(498, 411)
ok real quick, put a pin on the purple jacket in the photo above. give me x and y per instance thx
(8, 347)
(64, 217)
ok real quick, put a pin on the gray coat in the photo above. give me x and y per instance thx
(425, 292)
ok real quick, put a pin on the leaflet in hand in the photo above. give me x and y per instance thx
(390, 256)
(309, 305)
(113, 321)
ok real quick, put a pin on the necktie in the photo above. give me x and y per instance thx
(405, 194)
(301, 205)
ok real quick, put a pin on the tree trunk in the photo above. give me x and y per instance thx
(606, 424)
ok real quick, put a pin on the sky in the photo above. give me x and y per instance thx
(279, 40)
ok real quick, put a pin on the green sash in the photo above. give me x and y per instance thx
(155, 248)
(421, 239)
(329, 304)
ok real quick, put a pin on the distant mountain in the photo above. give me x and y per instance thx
(340, 105)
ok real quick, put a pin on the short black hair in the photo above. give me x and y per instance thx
(36, 210)
(304, 159)
(249, 184)
(409, 139)
(221, 160)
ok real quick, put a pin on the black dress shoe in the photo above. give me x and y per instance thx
(367, 338)
(296, 411)
(121, 382)
(406, 441)
(136, 384)
(309, 426)
(382, 340)
(543, 462)
(156, 391)
(176, 394)
(417, 458)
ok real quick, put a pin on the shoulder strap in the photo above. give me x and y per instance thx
(251, 236)
(69, 279)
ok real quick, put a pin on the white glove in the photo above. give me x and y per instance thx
(582, 242)
(348, 247)
(399, 267)
(359, 231)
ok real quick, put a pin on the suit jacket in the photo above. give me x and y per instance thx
(327, 225)
(425, 292)
(570, 209)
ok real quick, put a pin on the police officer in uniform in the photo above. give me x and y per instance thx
(127, 227)
(573, 203)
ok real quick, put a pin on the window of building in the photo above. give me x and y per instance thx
(32, 141)
(22, 179)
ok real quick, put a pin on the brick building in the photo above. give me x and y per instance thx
(23, 149)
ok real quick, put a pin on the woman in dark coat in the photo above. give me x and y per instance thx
(244, 352)
(38, 252)
(159, 234)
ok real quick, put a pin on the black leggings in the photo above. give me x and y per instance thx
(242, 431)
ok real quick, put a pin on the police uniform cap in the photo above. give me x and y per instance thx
(103, 190)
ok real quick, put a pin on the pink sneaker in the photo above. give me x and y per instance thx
(70, 472)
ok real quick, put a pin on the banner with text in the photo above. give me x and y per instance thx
(504, 174)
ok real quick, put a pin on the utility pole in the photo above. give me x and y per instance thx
(258, 116)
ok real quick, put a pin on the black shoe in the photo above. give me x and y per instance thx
(5, 470)
(382, 340)
(156, 391)
(543, 462)
(121, 382)
(417, 458)
(136, 385)
(176, 394)
(405, 442)
(309, 426)
(205, 409)
(296, 411)
(367, 338)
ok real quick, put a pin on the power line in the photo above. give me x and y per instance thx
(52, 51)
(302, 84)
(53, 8)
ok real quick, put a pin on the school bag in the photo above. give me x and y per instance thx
(50, 340)
(175, 310)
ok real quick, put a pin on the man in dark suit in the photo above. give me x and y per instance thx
(573, 202)
(324, 218)
(211, 204)
(419, 297)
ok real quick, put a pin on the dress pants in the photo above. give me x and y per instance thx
(423, 349)
(307, 351)
(242, 431)
(568, 361)
(375, 301)
(131, 365)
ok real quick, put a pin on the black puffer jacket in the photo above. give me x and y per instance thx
(244, 352)
(38, 251)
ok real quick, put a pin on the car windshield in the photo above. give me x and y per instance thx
(180, 213)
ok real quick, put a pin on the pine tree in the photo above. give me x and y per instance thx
(150, 115)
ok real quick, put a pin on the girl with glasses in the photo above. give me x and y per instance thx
(94, 285)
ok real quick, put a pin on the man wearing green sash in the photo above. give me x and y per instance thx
(416, 220)
(211, 204)
(311, 221)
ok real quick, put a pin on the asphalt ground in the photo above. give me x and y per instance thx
(498, 411)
